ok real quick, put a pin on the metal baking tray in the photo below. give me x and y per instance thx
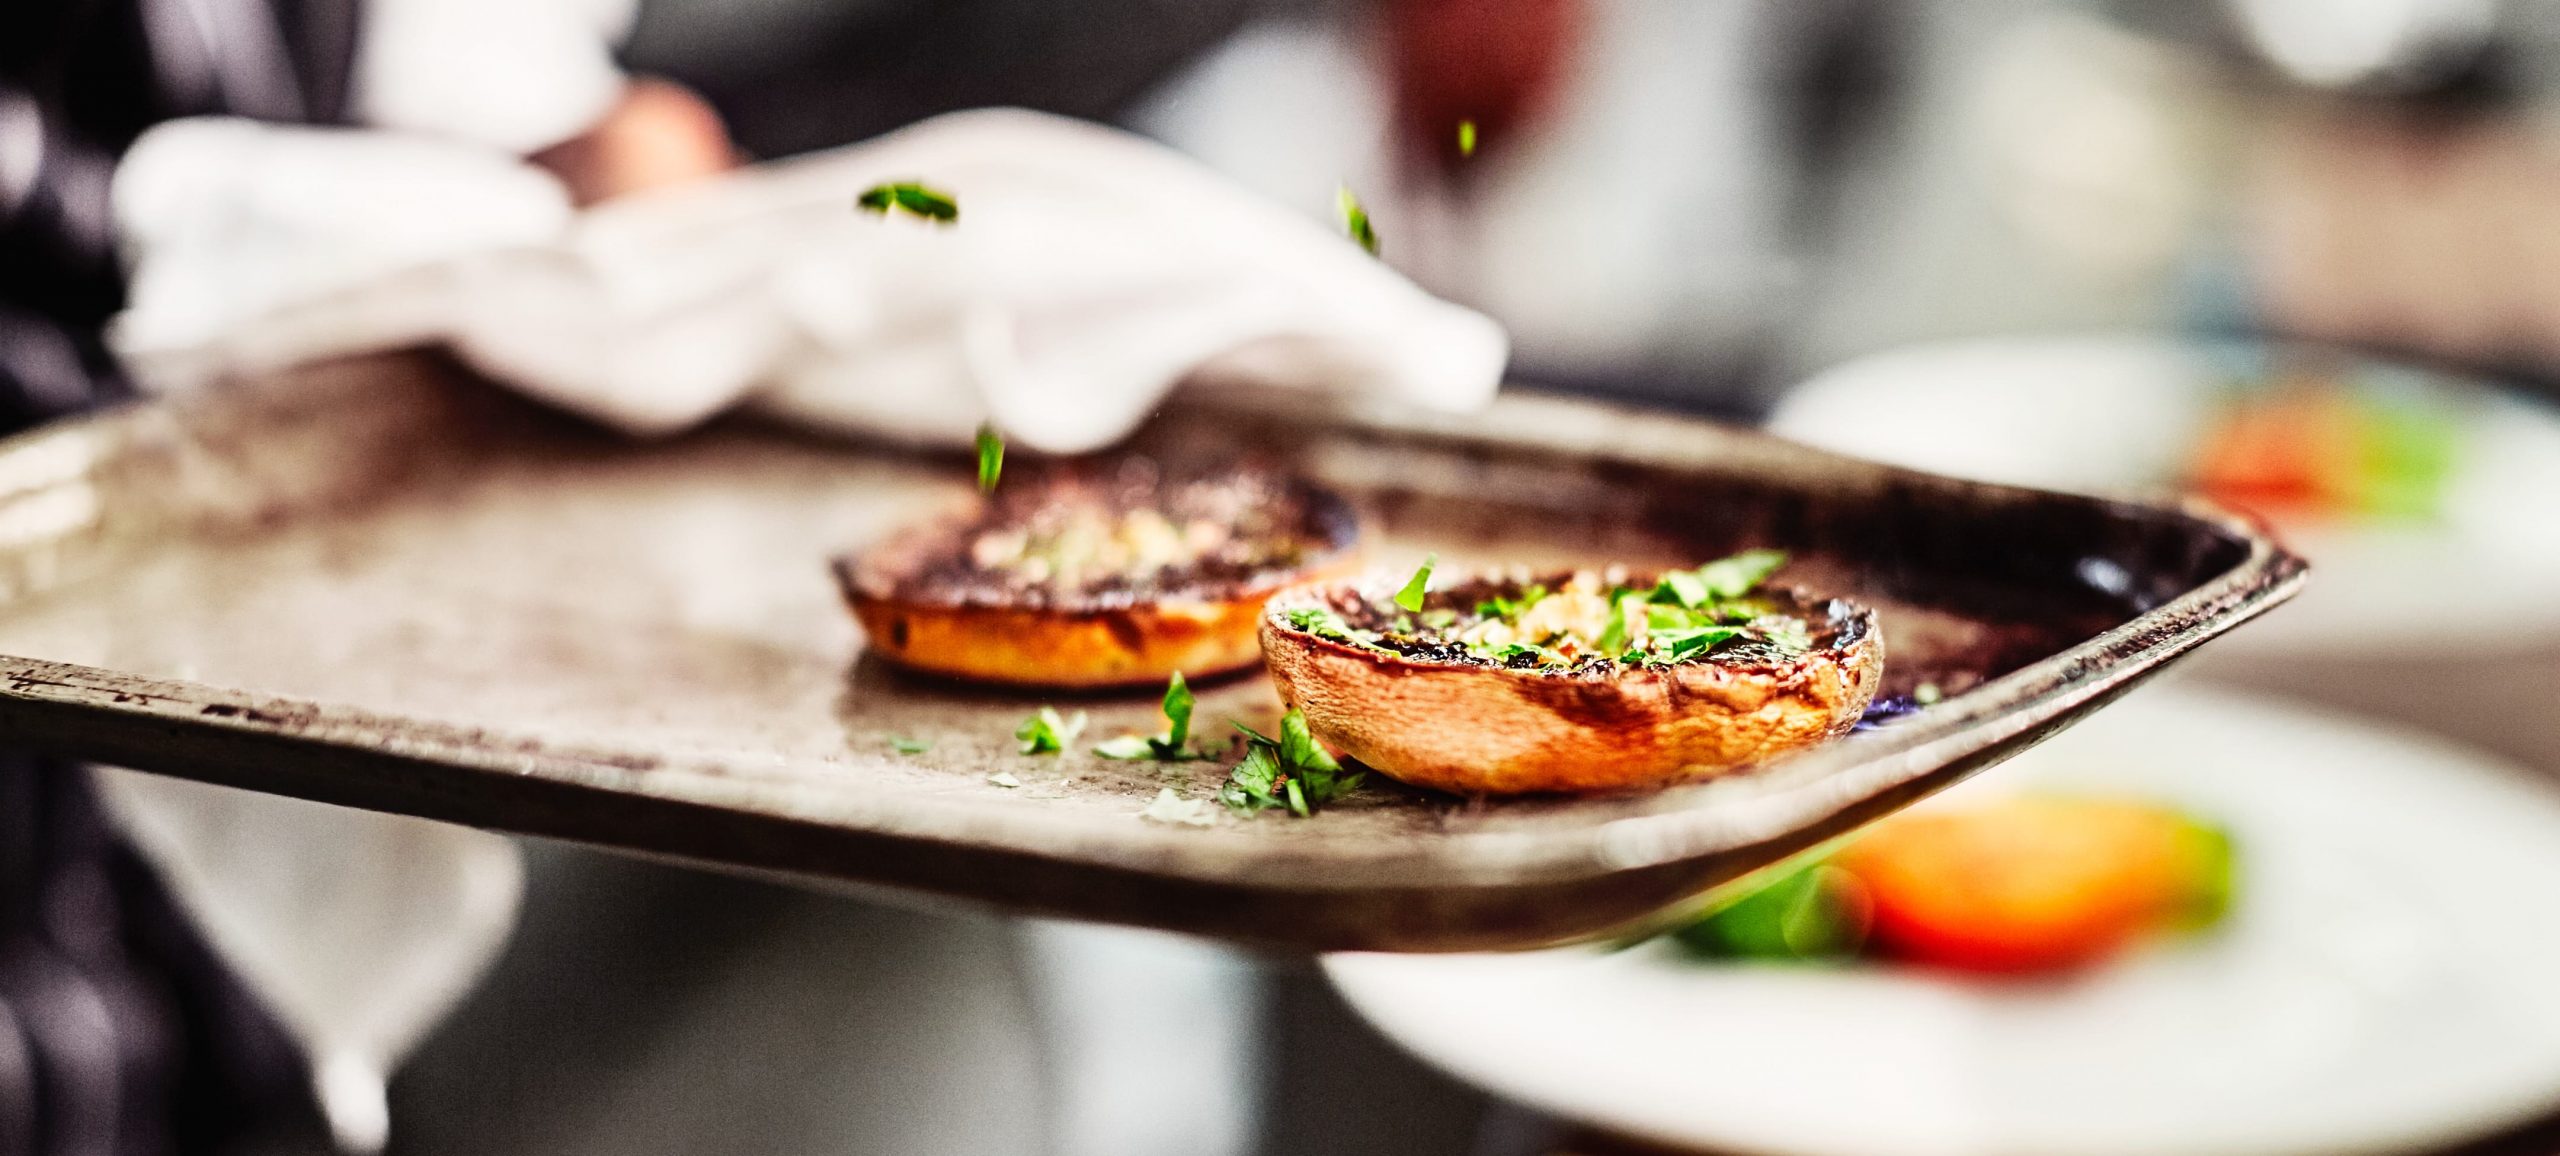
(385, 584)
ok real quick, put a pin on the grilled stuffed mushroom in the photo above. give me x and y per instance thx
(1584, 681)
(1098, 574)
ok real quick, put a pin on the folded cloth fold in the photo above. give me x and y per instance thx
(1088, 272)
(357, 931)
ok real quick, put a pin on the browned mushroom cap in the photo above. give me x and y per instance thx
(1439, 716)
(1097, 574)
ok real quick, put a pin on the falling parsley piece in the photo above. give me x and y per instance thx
(990, 457)
(1293, 772)
(1169, 746)
(910, 197)
(1466, 138)
(1046, 733)
(1418, 586)
(1355, 220)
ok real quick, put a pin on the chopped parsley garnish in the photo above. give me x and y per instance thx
(1169, 746)
(1355, 220)
(1787, 634)
(1418, 586)
(1682, 641)
(1046, 733)
(1292, 772)
(911, 197)
(909, 746)
(990, 457)
(1500, 607)
(1466, 138)
(1323, 623)
(1740, 574)
(1683, 616)
(1681, 588)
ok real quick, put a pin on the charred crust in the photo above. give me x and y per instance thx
(1285, 527)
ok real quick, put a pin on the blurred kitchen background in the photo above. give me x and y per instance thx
(1686, 203)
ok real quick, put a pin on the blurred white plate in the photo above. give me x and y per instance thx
(2390, 976)
(2121, 415)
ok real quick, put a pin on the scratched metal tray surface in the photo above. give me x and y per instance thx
(384, 584)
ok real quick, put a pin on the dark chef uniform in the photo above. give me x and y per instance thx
(121, 1034)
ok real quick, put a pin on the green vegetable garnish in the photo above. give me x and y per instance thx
(1510, 608)
(1046, 733)
(1355, 220)
(1168, 746)
(1811, 912)
(1681, 588)
(1685, 613)
(909, 746)
(1293, 772)
(912, 197)
(2217, 864)
(1736, 576)
(1323, 623)
(1256, 784)
(1786, 634)
(1612, 642)
(1418, 586)
(1466, 138)
(1515, 650)
(990, 457)
(1688, 640)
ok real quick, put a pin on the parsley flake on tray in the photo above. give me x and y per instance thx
(1046, 733)
(1292, 772)
(1171, 746)
(1587, 620)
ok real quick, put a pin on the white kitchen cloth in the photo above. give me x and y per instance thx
(1088, 272)
(358, 931)
(1154, 1041)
